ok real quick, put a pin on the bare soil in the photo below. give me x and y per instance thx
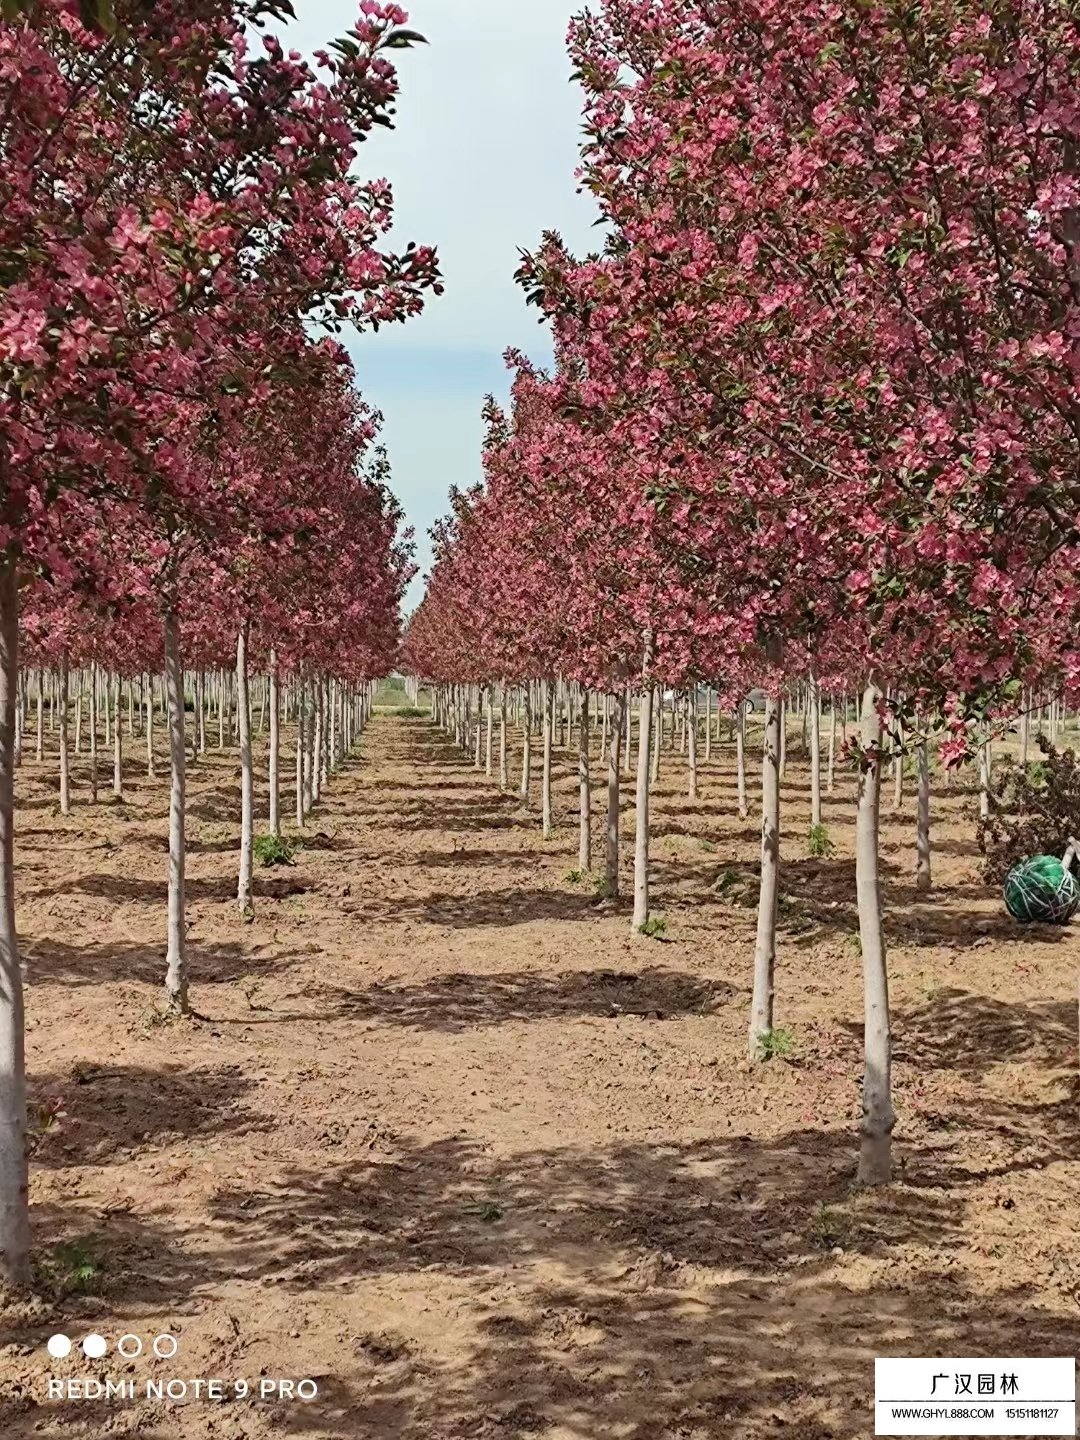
(447, 1140)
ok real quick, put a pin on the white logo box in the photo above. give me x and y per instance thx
(975, 1395)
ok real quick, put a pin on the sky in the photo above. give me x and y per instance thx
(481, 161)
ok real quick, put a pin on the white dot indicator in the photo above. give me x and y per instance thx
(58, 1346)
(165, 1346)
(129, 1346)
(95, 1346)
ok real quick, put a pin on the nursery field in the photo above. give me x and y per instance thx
(445, 1138)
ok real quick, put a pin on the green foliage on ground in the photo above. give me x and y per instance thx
(654, 927)
(1034, 809)
(273, 850)
(775, 1044)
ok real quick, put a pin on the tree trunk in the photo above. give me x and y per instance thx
(93, 717)
(118, 749)
(176, 980)
(301, 809)
(489, 732)
(922, 825)
(814, 706)
(65, 759)
(275, 747)
(14, 1194)
(657, 732)
(628, 713)
(875, 1159)
(984, 779)
(761, 1006)
(307, 696)
(149, 725)
(504, 773)
(691, 721)
(39, 752)
(315, 767)
(584, 793)
(641, 810)
(549, 726)
(783, 735)
(526, 742)
(740, 759)
(611, 865)
(832, 744)
(247, 784)
(1025, 726)
(325, 733)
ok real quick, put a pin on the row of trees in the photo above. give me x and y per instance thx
(814, 409)
(188, 480)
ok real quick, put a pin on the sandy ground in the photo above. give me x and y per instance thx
(447, 1141)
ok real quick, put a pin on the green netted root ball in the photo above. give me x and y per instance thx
(1041, 889)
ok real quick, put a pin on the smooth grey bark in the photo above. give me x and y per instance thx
(584, 792)
(332, 747)
(65, 759)
(761, 1005)
(149, 724)
(93, 718)
(691, 734)
(301, 809)
(814, 704)
(176, 979)
(923, 880)
(39, 751)
(740, 760)
(275, 746)
(783, 735)
(708, 723)
(549, 726)
(14, 1192)
(832, 745)
(875, 1156)
(641, 809)
(117, 740)
(611, 859)
(656, 730)
(200, 711)
(311, 721)
(247, 783)
(489, 733)
(526, 742)
(1025, 725)
(640, 916)
(504, 773)
(315, 765)
(628, 713)
(984, 779)
(325, 734)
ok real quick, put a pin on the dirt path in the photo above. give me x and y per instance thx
(447, 1141)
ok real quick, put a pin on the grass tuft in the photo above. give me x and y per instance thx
(273, 850)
